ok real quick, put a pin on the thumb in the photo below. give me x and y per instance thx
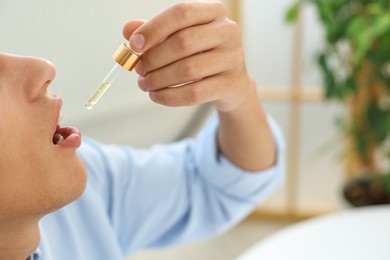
(130, 27)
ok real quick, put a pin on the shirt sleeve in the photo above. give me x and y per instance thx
(178, 192)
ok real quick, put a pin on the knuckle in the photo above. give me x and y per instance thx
(236, 61)
(183, 41)
(155, 26)
(183, 11)
(220, 7)
(188, 70)
(234, 29)
(238, 58)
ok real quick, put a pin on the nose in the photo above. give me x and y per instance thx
(48, 69)
(40, 71)
(31, 74)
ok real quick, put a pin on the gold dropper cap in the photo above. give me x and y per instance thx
(125, 57)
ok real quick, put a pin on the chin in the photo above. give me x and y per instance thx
(68, 189)
(77, 180)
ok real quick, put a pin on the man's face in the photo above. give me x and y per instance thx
(37, 176)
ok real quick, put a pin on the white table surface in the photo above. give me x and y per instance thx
(354, 234)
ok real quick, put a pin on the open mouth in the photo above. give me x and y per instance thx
(66, 136)
(59, 136)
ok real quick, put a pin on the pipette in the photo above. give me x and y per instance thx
(126, 59)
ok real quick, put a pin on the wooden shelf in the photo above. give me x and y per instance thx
(283, 213)
(289, 94)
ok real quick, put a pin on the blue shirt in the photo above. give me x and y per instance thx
(169, 194)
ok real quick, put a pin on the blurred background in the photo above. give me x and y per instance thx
(79, 37)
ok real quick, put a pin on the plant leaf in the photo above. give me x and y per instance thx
(293, 12)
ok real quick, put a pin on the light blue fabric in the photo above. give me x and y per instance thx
(163, 196)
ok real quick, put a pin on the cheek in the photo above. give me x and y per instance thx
(38, 189)
(21, 141)
(22, 154)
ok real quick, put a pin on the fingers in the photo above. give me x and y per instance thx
(189, 69)
(173, 19)
(191, 54)
(191, 94)
(185, 43)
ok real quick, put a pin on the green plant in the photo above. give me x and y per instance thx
(355, 65)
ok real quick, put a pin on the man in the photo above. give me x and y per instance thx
(133, 199)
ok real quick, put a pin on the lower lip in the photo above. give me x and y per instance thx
(73, 140)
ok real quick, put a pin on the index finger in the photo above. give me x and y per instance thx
(173, 19)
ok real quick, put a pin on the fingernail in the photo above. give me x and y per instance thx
(139, 68)
(141, 83)
(153, 96)
(137, 41)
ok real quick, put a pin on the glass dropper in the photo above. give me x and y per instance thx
(106, 83)
(126, 59)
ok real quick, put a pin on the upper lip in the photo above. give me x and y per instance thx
(58, 105)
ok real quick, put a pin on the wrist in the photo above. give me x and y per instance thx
(245, 98)
(244, 136)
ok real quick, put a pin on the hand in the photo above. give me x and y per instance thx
(191, 54)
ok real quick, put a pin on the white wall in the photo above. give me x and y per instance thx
(79, 37)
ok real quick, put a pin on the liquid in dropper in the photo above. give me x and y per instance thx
(106, 83)
(126, 59)
(97, 94)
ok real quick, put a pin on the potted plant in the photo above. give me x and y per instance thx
(355, 66)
